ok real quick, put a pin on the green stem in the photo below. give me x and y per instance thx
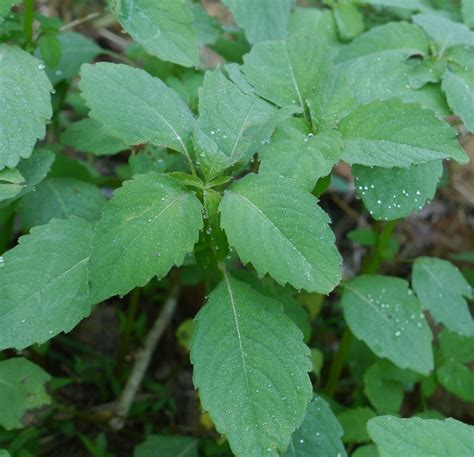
(371, 266)
(28, 20)
(127, 332)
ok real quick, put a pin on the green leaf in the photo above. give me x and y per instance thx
(315, 21)
(34, 169)
(167, 446)
(11, 183)
(77, 49)
(385, 76)
(4, 453)
(458, 85)
(279, 70)
(261, 20)
(277, 226)
(349, 21)
(136, 107)
(26, 104)
(245, 344)
(207, 27)
(51, 49)
(368, 450)
(22, 390)
(383, 312)
(390, 133)
(393, 193)
(467, 9)
(385, 395)
(441, 288)
(412, 5)
(319, 434)
(44, 280)
(421, 438)
(235, 121)
(165, 28)
(295, 152)
(150, 224)
(86, 135)
(61, 198)
(457, 379)
(400, 39)
(211, 160)
(354, 423)
(443, 31)
(6, 5)
(428, 70)
(455, 346)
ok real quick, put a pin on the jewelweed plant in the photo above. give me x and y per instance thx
(202, 154)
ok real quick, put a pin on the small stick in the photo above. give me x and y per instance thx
(142, 361)
(81, 20)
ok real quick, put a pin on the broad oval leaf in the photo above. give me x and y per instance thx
(280, 228)
(261, 20)
(393, 193)
(22, 389)
(44, 281)
(443, 31)
(86, 135)
(295, 152)
(61, 198)
(285, 72)
(383, 312)
(250, 358)
(421, 437)
(391, 133)
(319, 434)
(237, 122)
(398, 38)
(442, 290)
(136, 107)
(26, 104)
(164, 28)
(76, 49)
(386, 76)
(148, 226)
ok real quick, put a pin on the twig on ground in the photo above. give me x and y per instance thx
(142, 361)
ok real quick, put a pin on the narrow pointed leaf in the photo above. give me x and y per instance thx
(249, 357)
(44, 281)
(280, 228)
(384, 313)
(148, 226)
(26, 104)
(394, 134)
